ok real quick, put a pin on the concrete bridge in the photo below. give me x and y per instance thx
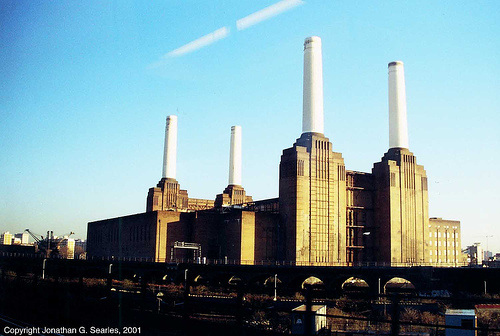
(333, 278)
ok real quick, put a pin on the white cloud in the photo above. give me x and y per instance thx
(201, 42)
(267, 13)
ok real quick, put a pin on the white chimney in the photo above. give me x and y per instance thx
(398, 124)
(170, 153)
(312, 118)
(235, 156)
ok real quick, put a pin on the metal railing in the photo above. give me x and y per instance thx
(226, 261)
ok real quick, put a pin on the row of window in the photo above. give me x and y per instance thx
(441, 243)
(409, 182)
(450, 252)
(448, 235)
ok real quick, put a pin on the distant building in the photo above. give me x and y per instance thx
(444, 242)
(23, 238)
(488, 255)
(475, 254)
(80, 248)
(67, 248)
(6, 238)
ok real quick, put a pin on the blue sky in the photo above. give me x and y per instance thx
(86, 87)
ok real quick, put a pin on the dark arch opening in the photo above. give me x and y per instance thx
(269, 282)
(399, 285)
(314, 282)
(355, 285)
(199, 280)
(234, 280)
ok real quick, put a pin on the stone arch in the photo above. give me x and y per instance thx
(399, 285)
(167, 278)
(137, 277)
(220, 279)
(125, 274)
(313, 281)
(355, 285)
(234, 280)
(259, 281)
(199, 280)
(269, 281)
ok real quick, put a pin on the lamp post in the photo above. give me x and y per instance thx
(43, 268)
(275, 287)
(366, 235)
(159, 297)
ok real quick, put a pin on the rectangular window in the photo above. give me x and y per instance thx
(341, 173)
(393, 179)
(300, 168)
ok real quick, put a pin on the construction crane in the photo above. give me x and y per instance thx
(48, 246)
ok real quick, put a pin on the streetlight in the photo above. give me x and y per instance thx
(159, 297)
(43, 268)
(366, 234)
(275, 283)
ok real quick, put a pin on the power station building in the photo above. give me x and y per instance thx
(324, 215)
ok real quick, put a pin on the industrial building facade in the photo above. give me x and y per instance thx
(324, 215)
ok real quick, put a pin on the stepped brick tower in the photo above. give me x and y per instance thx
(234, 193)
(402, 213)
(312, 187)
(167, 195)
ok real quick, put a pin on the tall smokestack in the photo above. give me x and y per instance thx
(312, 118)
(235, 156)
(170, 153)
(398, 124)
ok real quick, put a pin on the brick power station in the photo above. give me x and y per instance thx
(324, 215)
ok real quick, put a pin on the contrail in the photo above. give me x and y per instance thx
(267, 13)
(223, 32)
(201, 42)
